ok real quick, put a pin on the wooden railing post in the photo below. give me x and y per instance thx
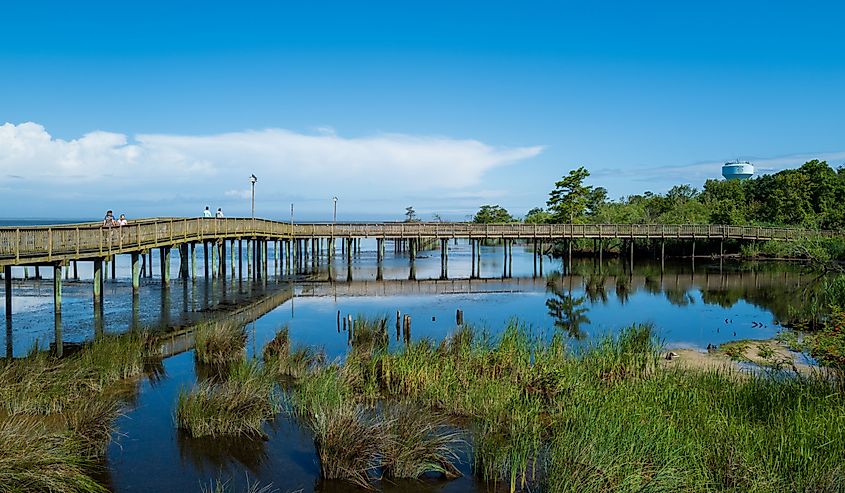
(49, 243)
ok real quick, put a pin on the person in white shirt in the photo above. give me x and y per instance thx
(206, 212)
(219, 212)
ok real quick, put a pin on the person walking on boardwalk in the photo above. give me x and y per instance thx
(206, 212)
(219, 212)
(109, 221)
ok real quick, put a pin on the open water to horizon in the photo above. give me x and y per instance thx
(689, 305)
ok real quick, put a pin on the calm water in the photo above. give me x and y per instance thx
(689, 307)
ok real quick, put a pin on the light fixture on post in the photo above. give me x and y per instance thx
(253, 179)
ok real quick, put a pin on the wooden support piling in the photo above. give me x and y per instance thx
(136, 272)
(98, 280)
(165, 266)
(57, 289)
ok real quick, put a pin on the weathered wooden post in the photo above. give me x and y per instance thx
(222, 246)
(472, 257)
(114, 267)
(136, 272)
(601, 254)
(662, 255)
(37, 273)
(98, 280)
(510, 258)
(444, 258)
(408, 326)
(57, 289)
(398, 323)
(459, 316)
(265, 256)
(215, 258)
(379, 259)
(205, 258)
(165, 266)
(7, 282)
(534, 255)
(338, 321)
(540, 258)
(232, 256)
(249, 249)
(75, 271)
(478, 258)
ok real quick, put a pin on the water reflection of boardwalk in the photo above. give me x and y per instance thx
(673, 281)
(183, 340)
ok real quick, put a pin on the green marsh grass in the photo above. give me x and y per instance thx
(239, 405)
(35, 459)
(56, 414)
(608, 417)
(285, 361)
(219, 343)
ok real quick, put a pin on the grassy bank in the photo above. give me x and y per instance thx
(56, 414)
(608, 418)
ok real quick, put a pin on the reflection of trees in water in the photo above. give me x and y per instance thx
(568, 311)
(221, 453)
(679, 297)
(788, 304)
(623, 289)
(594, 288)
(652, 284)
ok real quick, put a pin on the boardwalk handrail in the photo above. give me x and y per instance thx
(57, 243)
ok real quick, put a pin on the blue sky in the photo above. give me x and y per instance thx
(159, 109)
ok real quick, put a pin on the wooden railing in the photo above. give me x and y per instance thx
(54, 243)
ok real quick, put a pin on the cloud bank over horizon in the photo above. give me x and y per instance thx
(155, 173)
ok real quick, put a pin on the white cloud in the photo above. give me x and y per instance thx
(287, 163)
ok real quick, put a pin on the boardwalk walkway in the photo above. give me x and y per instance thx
(47, 245)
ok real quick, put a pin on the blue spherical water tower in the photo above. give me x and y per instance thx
(737, 170)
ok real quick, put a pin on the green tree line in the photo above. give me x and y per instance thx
(811, 196)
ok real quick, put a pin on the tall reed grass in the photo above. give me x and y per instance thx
(605, 418)
(219, 343)
(238, 405)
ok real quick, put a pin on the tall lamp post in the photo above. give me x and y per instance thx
(334, 216)
(253, 179)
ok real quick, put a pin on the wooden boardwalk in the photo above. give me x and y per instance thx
(50, 245)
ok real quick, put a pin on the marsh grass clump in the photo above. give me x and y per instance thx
(349, 442)
(284, 361)
(34, 458)
(220, 485)
(90, 420)
(368, 337)
(238, 405)
(219, 343)
(633, 353)
(419, 442)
